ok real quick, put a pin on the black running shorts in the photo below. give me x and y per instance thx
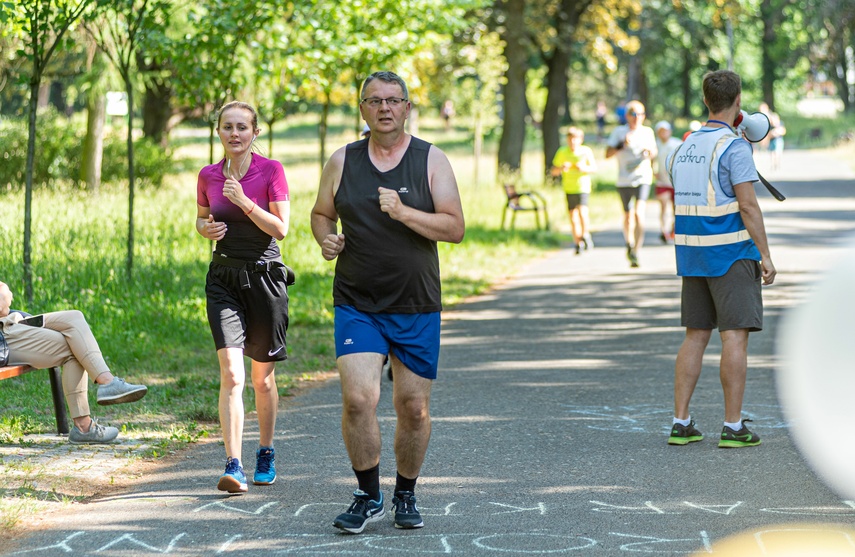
(254, 318)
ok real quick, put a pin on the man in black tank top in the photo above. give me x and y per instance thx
(396, 197)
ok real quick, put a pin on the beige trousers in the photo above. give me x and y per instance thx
(66, 340)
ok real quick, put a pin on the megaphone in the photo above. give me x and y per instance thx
(753, 126)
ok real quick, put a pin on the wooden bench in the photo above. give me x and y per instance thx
(55, 387)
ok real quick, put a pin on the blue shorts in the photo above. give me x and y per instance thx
(413, 337)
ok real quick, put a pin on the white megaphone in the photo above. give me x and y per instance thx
(753, 126)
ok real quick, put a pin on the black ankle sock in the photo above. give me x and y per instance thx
(405, 484)
(369, 481)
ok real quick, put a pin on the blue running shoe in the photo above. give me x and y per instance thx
(265, 469)
(233, 480)
(407, 514)
(362, 511)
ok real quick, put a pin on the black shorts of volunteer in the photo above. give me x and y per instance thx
(729, 302)
(576, 199)
(253, 318)
(628, 193)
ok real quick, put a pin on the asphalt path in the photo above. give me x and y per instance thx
(550, 420)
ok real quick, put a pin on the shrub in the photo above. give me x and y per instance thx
(59, 149)
(151, 161)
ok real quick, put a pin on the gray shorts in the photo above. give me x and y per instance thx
(729, 302)
(627, 194)
(576, 199)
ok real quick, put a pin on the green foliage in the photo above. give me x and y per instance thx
(57, 151)
(59, 144)
(151, 161)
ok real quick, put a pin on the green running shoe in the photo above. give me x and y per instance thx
(684, 434)
(735, 439)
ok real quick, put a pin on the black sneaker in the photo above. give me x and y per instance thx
(633, 259)
(578, 249)
(735, 439)
(684, 434)
(406, 512)
(362, 511)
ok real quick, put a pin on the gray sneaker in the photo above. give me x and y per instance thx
(96, 434)
(118, 391)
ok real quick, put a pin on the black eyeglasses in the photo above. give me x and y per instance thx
(633, 113)
(375, 102)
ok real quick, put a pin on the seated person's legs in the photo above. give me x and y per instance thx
(54, 345)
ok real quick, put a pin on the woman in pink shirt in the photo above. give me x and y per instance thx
(243, 206)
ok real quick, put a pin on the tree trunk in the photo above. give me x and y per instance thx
(557, 109)
(686, 82)
(357, 123)
(322, 128)
(477, 145)
(841, 81)
(28, 187)
(157, 111)
(212, 126)
(131, 178)
(767, 43)
(633, 78)
(270, 125)
(43, 95)
(556, 101)
(413, 121)
(513, 92)
(93, 145)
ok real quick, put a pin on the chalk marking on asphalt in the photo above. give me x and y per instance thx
(444, 511)
(540, 507)
(538, 543)
(259, 510)
(706, 539)
(229, 542)
(302, 508)
(131, 538)
(814, 511)
(362, 539)
(479, 542)
(648, 540)
(727, 509)
(63, 545)
(647, 508)
(758, 536)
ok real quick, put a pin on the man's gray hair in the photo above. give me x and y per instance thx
(388, 77)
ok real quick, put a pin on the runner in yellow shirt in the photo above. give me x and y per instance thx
(575, 163)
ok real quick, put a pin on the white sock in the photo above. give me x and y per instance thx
(685, 422)
(735, 427)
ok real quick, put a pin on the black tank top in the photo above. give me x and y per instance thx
(385, 266)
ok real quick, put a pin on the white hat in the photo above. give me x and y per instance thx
(662, 124)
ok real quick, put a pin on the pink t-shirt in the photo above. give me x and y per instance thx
(264, 183)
